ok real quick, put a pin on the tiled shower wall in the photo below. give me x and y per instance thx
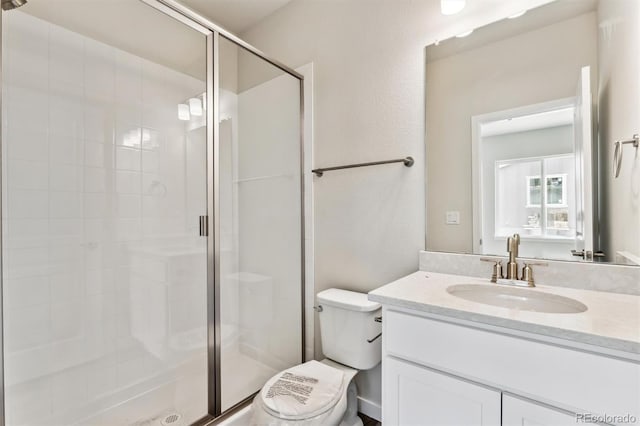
(95, 219)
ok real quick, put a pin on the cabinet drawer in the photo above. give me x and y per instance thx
(570, 379)
(519, 412)
(418, 396)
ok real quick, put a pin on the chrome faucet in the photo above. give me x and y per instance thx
(512, 248)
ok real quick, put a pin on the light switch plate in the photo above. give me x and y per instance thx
(453, 218)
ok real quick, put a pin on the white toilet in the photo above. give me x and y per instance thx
(323, 393)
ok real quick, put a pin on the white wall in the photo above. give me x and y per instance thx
(537, 66)
(369, 78)
(619, 118)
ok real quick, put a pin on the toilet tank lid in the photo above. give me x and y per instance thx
(346, 299)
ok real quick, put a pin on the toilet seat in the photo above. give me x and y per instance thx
(322, 402)
(304, 391)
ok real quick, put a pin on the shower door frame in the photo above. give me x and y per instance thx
(213, 32)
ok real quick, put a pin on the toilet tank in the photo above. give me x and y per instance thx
(347, 322)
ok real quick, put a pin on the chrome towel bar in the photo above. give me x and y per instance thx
(408, 161)
(617, 152)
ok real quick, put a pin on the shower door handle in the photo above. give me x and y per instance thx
(204, 226)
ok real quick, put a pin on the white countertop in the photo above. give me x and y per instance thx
(611, 321)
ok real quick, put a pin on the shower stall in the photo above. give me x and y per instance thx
(152, 215)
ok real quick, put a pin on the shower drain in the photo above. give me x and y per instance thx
(171, 419)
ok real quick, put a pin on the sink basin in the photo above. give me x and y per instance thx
(517, 298)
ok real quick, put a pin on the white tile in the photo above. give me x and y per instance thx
(27, 51)
(66, 50)
(27, 108)
(99, 121)
(27, 327)
(128, 159)
(110, 251)
(65, 149)
(28, 404)
(95, 179)
(156, 116)
(27, 204)
(133, 370)
(129, 206)
(128, 134)
(152, 185)
(128, 182)
(27, 291)
(100, 312)
(65, 177)
(101, 379)
(154, 226)
(94, 155)
(151, 139)
(100, 341)
(69, 390)
(26, 365)
(151, 206)
(150, 162)
(99, 70)
(128, 78)
(98, 230)
(66, 320)
(22, 229)
(66, 116)
(29, 257)
(66, 286)
(96, 205)
(66, 353)
(100, 281)
(128, 229)
(26, 144)
(129, 113)
(28, 174)
(65, 227)
(65, 205)
(96, 257)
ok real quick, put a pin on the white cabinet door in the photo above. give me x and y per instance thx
(414, 395)
(518, 412)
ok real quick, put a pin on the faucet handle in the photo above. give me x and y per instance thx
(527, 272)
(497, 268)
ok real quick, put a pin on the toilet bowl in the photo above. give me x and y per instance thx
(324, 393)
(326, 404)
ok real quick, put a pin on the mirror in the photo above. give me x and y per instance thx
(522, 119)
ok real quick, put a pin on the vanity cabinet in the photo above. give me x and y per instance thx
(420, 396)
(443, 371)
(518, 412)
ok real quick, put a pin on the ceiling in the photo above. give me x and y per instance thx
(541, 120)
(136, 28)
(533, 19)
(235, 15)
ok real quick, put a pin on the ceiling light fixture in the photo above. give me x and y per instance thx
(517, 15)
(464, 34)
(183, 112)
(451, 7)
(195, 107)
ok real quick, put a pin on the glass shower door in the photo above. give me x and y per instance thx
(103, 181)
(260, 222)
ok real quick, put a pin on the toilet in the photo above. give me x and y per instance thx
(324, 393)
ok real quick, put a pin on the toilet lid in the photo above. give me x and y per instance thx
(304, 391)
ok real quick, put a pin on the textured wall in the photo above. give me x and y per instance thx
(619, 118)
(369, 76)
